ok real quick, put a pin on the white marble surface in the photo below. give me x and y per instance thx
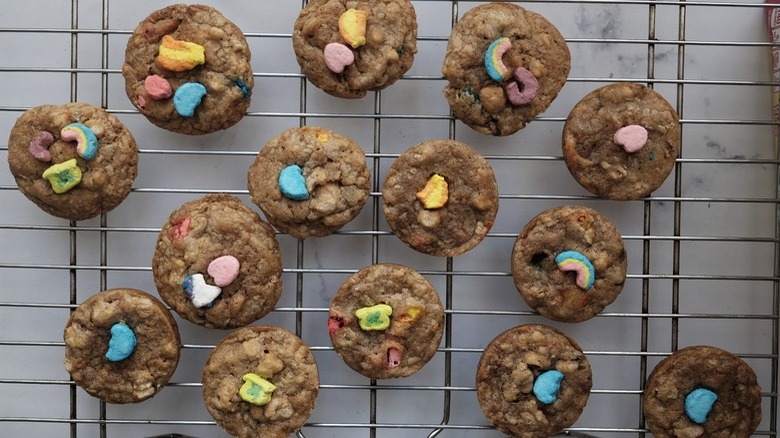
(726, 253)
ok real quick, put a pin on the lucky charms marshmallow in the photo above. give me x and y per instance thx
(74, 161)
(504, 65)
(187, 69)
(347, 47)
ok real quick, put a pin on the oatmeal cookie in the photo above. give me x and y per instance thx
(121, 345)
(187, 69)
(350, 47)
(75, 161)
(217, 263)
(309, 181)
(621, 141)
(504, 65)
(533, 381)
(440, 197)
(569, 263)
(260, 382)
(702, 391)
(386, 321)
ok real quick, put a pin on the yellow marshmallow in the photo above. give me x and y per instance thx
(435, 193)
(352, 27)
(180, 55)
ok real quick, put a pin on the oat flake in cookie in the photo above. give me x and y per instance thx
(74, 161)
(533, 381)
(217, 263)
(702, 392)
(260, 382)
(621, 141)
(569, 263)
(309, 181)
(121, 345)
(504, 65)
(350, 47)
(386, 321)
(187, 69)
(440, 197)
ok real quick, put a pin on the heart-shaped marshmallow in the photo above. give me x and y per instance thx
(224, 270)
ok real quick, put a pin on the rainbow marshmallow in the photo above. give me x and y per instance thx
(575, 261)
(87, 142)
(494, 63)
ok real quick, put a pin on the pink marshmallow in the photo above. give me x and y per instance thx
(393, 358)
(523, 90)
(224, 270)
(39, 146)
(157, 87)
(631, 137)
(338, 56)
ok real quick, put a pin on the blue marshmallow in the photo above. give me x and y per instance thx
(188, 97)
(698, 404)
(292, 183)
(122, 342)
(546, 386)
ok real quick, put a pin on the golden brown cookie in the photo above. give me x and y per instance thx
(121, 345)
(187, 69)
(440, 197)
(621, 141)
(569, 263)
(74, 161)
(350, 47)
(217, 263)
(309, 181)
(504, 65)
(533, 381)
(386, 321)
(260, 382)
(702, 392)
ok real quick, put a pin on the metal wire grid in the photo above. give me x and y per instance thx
(373, 232)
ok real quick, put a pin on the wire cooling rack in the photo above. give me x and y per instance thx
(703, 250)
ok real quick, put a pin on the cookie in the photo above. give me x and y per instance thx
(309, 181)
(533, 381)
(187, 70)
(440, 197)
(75, 161)
(349, 47)
(260, 382)
(504, 65)
(702, 392)
(386, 321)
(121, 345)
(569, 263)
(621, 141)
(217, 263)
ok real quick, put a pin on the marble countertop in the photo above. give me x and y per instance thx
(702, 251)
